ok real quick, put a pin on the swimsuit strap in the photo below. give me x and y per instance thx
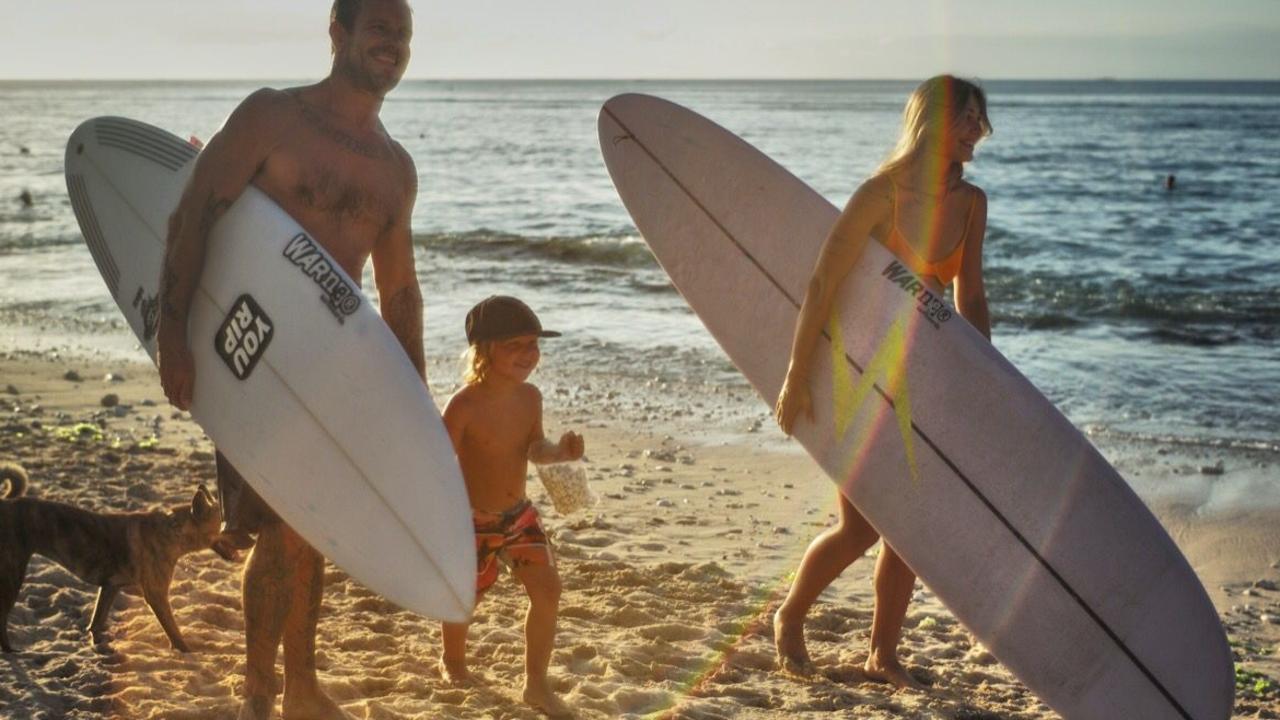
(945, 269)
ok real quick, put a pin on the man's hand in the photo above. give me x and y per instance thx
(177, 371)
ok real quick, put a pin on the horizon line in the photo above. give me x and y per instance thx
(1096, 78)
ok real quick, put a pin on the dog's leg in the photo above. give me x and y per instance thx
(102, 613)
(158, 600)
(11, 575)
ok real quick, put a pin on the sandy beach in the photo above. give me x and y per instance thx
(670, 580)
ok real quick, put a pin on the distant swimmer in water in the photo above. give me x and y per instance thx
(26, 199)
(1169, 182)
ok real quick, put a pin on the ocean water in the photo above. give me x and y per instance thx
(1138, 311)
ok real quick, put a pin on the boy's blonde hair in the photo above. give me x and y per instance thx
(475, 362)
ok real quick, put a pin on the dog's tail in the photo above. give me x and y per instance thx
(14, 478)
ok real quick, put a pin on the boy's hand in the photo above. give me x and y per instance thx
(571, 446)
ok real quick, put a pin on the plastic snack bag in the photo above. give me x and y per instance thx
(566, 483)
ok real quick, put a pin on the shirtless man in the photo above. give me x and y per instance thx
(322, 154)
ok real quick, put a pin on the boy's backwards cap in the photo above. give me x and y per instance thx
(499, 317)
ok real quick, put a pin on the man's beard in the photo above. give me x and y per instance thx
(365, 79)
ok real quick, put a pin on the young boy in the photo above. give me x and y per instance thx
(495, 422)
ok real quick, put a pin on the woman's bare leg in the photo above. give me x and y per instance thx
(827, 556)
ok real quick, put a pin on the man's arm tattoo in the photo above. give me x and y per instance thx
(214, 207)
(403, 314)
(167, 282)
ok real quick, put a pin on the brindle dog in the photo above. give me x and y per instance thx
(111, 550)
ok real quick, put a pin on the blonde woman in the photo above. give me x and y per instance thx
(919, 206)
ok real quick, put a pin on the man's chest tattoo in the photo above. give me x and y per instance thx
(373, 151)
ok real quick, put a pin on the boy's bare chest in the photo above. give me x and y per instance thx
(503, 433)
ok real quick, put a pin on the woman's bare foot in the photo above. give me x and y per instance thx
(547, 702)
(788, 642)
(456, 673)
(890, 671)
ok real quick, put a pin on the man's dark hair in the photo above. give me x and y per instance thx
(346, 12)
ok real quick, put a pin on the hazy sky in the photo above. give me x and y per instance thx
(990, 39)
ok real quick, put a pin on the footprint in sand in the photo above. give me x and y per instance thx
(629, 617)
(750, 698)
(449, 697)
(630, 700)
(754, 660)
(592, 691)
(587, 667)
(672, 632)
(591, 541)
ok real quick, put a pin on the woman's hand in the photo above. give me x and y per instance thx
(793, 400)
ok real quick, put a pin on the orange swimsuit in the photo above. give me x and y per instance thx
(944, 270)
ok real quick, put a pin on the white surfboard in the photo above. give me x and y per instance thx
(996, 501)
(299, 382)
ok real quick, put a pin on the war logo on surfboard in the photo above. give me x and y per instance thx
(243, 336)
(339, 296)
(931, 306)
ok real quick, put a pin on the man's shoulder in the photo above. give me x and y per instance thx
(404, 160)
(269, 99)
(264, 108)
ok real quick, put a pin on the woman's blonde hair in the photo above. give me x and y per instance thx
(933, 108)
(475, 362)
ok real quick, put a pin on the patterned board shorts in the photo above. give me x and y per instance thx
(514, 536)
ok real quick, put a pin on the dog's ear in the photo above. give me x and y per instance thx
(202, 504)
